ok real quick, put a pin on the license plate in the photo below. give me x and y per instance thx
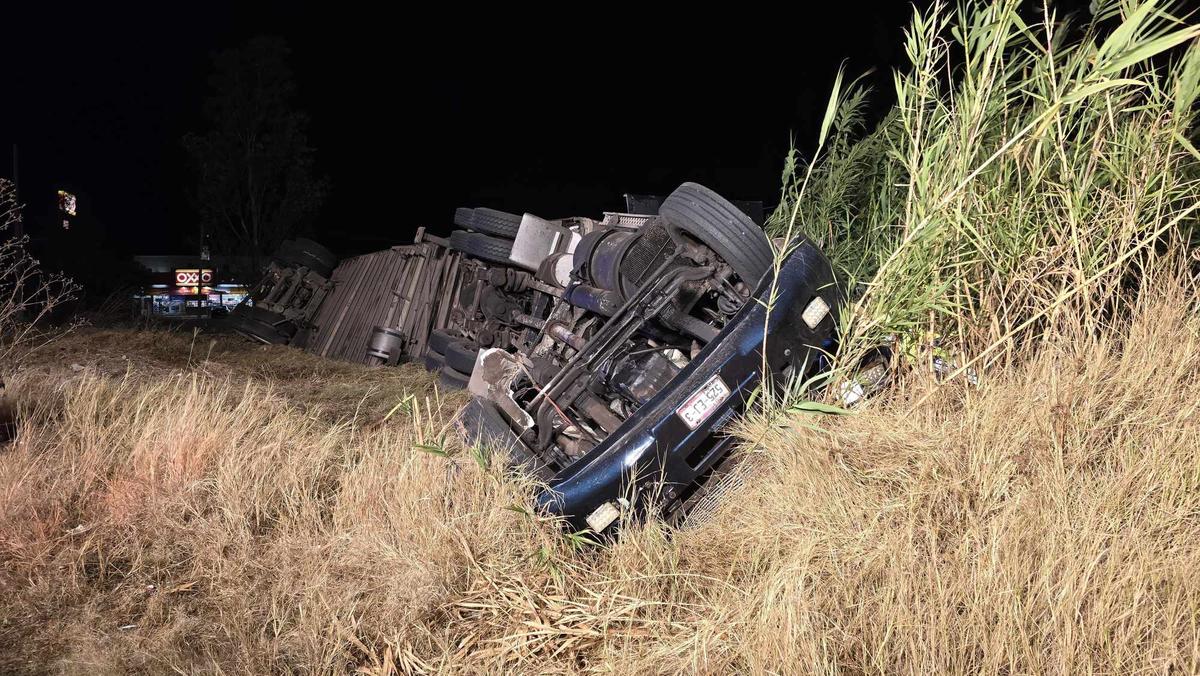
(703, 402)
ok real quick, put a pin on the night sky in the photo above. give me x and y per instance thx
(413, 115)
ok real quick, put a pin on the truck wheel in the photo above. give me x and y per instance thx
(256, 330)
(439, 340)
(434, 361)
(285, 253)
(461, 357)
(275, 320)
(722, 227)
(483, 247)
(462, 217)
(498, 223)
(453, 379)
(307, 253)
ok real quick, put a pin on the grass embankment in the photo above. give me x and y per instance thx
(241, 510)
(1043, 521)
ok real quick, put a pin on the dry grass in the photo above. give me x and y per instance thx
(333, 391)
(166, 518)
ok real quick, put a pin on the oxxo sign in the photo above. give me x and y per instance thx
(193, 277)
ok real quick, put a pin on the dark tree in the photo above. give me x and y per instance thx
(254, 168)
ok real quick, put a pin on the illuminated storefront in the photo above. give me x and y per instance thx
(182, 301)
(176, 291)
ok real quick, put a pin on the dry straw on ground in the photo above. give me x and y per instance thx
(1044, 522)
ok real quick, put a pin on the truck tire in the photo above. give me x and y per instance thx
(273, 319)
(483, 247)
(461, 356)
(722, 227)
(257, 330)
(462, 217)
(307, 253)
(285, 253)
(498, 223)
(439, 340)
(434, 361)
(453, 379)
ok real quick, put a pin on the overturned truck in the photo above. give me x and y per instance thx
(605, 355)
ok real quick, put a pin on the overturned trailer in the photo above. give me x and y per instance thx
(605, 355)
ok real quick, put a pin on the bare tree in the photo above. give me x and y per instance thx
(28, 295)
(254, 168)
